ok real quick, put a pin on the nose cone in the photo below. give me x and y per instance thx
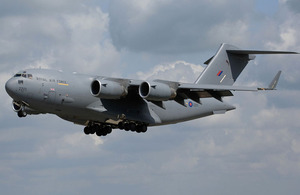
(9, 86)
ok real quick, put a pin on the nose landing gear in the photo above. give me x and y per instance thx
(19, 108)
(21, 113)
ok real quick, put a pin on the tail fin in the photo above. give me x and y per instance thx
(228, 63)
(224, 67)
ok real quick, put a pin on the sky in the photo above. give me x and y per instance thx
(254, 149)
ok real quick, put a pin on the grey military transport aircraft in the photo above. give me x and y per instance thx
(103, 103)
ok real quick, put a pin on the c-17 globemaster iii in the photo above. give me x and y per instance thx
(103, 103)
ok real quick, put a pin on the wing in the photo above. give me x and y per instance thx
(194, 91)
(158, 91)
(198, 91)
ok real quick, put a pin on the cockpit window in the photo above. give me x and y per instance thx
(17, 75)
(23, 75)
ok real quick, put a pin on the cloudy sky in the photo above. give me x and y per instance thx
(254, 149)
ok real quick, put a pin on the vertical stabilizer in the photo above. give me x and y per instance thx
(225, 67)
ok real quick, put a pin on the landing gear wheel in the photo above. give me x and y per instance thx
(121, 125)
(99, 133)
(22, 114)
(143, 128)
(86, 130)
(103, 131)
(94, 129)
(139, 128)
(126, 127)
(132, 126)
(108, 129)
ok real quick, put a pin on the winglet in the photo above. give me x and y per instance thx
(273, 84)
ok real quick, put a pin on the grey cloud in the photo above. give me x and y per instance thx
(35, 7)
(177, 71)
(222, 154)
(176, 26)
(74, 40)
(254, 149)
(28, 37)
(294, 5)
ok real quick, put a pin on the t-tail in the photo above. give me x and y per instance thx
(228, 63)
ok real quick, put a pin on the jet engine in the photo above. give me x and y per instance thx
(155, 91)
(107, 89)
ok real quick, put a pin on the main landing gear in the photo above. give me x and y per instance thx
(100, 130)
(103, 129)
(139, 128)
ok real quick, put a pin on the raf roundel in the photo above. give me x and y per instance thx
(190, 104)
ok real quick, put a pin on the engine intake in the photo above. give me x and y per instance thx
(155, 91)
(108, 89)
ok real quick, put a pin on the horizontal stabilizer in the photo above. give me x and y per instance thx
(228, 63)
(259, 52)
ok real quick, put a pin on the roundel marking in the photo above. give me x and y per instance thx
(190, 104)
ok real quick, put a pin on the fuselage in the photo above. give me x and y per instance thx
(68, 95)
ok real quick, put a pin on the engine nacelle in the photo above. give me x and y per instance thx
(108, 89)
(155, 91)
